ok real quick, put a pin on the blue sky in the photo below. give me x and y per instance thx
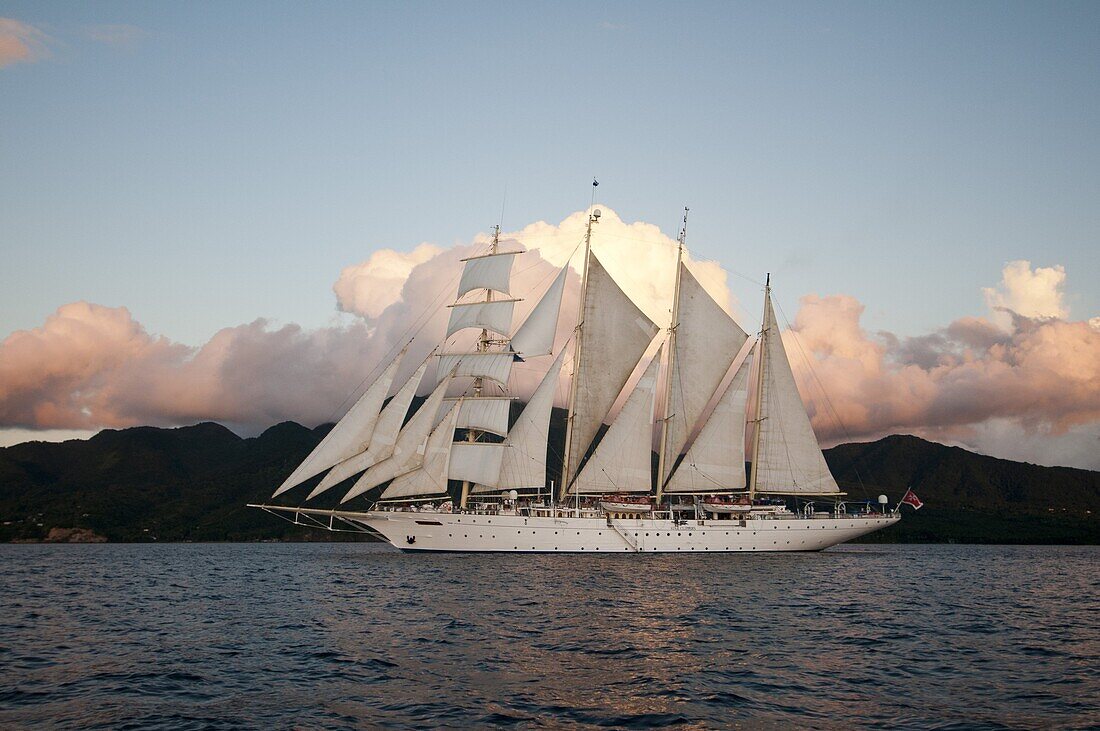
(223, 161)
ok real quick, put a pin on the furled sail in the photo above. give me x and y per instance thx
(788, 458)
(382, 439)
(707, 341)
(351, 435)
(622, 460)
(614, 336)
(494, 365)
(408, 450)
(535, 336)
(476, 462)
(495, 316)
(715, 462)
(524, 460)
(485, 413)
(490, 271)
(430, 478)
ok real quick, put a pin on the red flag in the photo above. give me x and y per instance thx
(912, 499)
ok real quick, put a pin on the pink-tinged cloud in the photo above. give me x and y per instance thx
(20, 42)
(91, 366)
(1038, 374)
(984, 382)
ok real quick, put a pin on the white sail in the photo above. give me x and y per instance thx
(476, 462)
(382, 439)
(351, 435)
(485, 413)
(614, 336)
(789, 459)
(535, 336)
(408, 450)
(524, 461)
(493, 365)
(707, 341)
(430, 478)
(715, 462)
(495, 316)
(622, 460)
(491, 271)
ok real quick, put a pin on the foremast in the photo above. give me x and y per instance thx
(484, 341)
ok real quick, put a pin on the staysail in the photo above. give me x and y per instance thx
(536, 335)
(408, 450)
(614, 334)
(430, 478)
(706, 342)
(351, 434)
(715, 461)
(787, 458)
(523, 462)
(622, 459)
(382, 438)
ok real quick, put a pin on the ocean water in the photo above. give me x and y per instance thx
(269, 636)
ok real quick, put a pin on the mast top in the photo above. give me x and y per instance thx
(684, 228)
(768, 281)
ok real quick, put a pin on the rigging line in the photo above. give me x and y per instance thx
(836, 414)
(402, 341)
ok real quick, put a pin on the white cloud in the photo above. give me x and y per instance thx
(1035, 293)
(369, 287)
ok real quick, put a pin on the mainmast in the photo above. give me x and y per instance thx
(673, 324)
(593, 217)
(761, 364)
(483, 343)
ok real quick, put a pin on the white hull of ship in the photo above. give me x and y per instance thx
(430, 531)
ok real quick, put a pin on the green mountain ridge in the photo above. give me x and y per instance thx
(192, 483)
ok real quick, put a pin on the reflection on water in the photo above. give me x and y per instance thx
(352, 635)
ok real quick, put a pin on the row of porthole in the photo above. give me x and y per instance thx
(451, 535)
(692, 548)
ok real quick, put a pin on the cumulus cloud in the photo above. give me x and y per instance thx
(92, 366)
(400, 293)
(369, 287)
(639, 255)
(1029, 380)
(1035, 293)
(1038, 374)
(20, 42)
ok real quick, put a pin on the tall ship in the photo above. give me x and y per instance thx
(461, 472)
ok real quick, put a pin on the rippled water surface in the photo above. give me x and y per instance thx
(356, 635)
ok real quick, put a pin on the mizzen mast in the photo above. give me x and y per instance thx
(593, 218)
(761, 364)
(664, 456)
